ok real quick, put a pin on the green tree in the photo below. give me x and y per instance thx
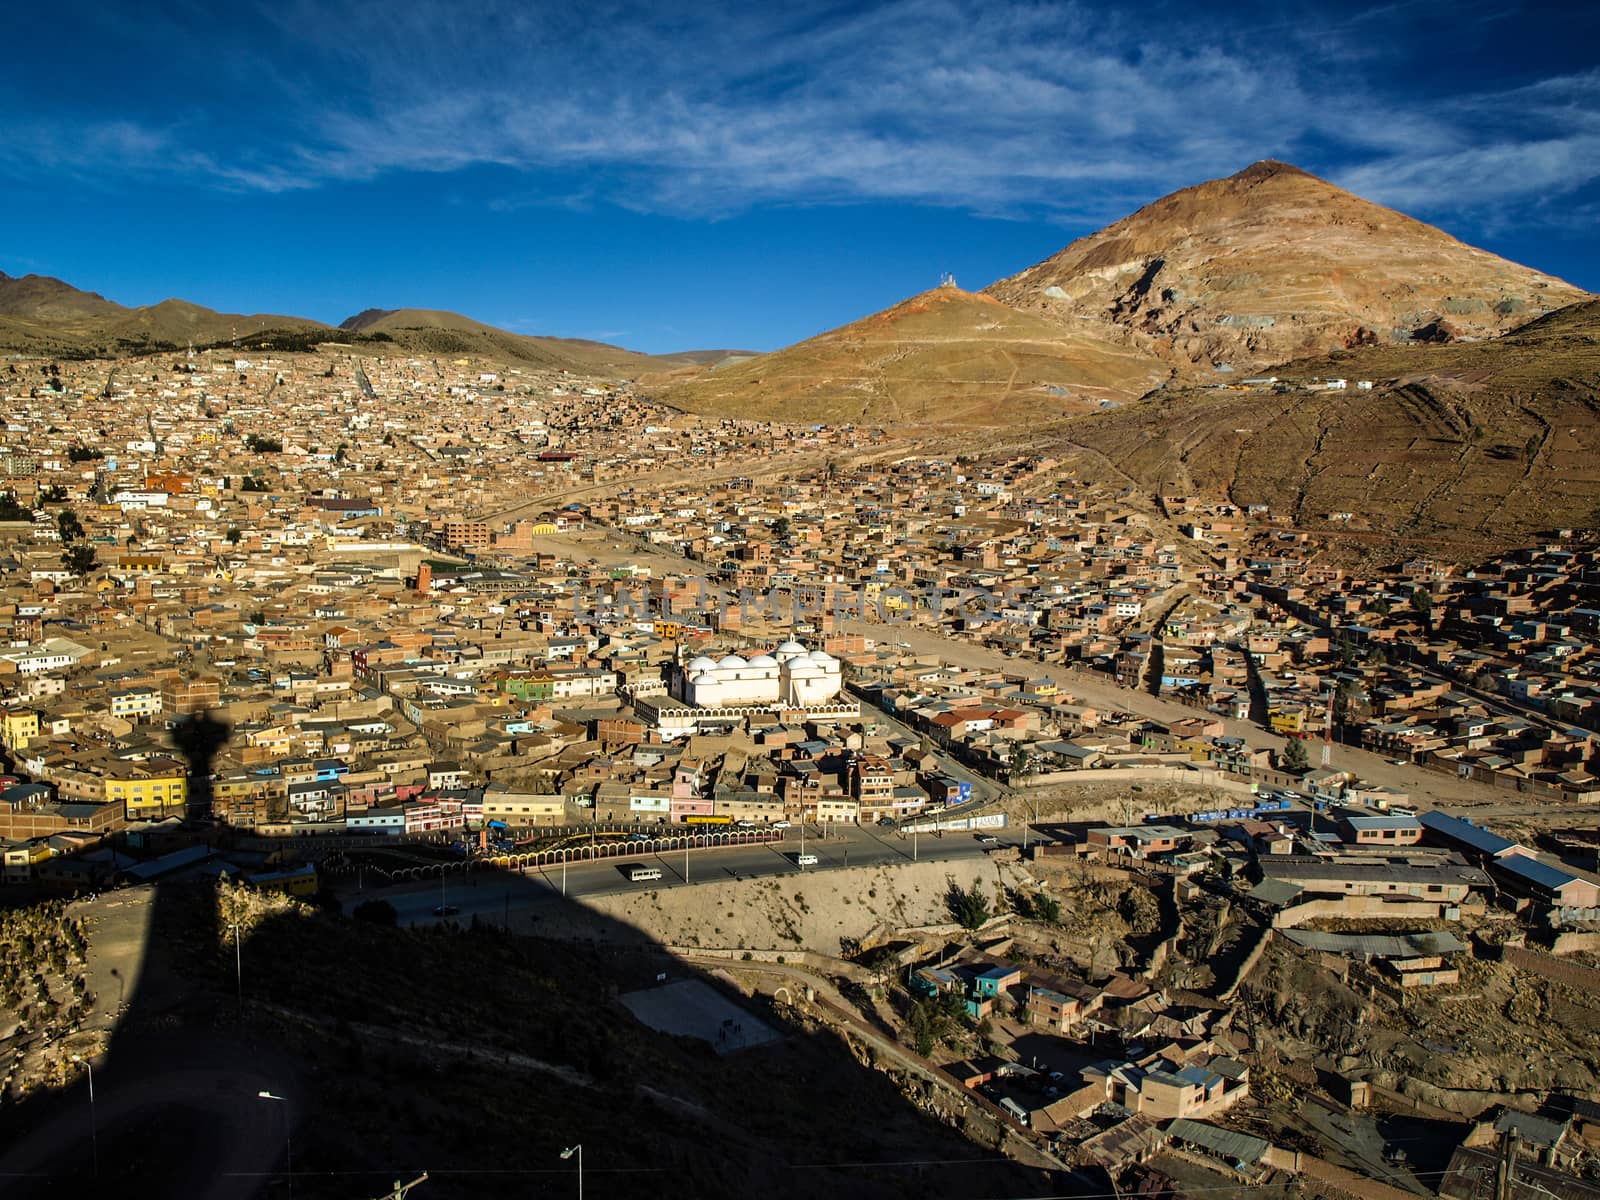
(10, 510)
(1046, 908)
(921, 1028)
(781, 529)
(233, 535)
(968, 906)
(1422, 605)
(1292, 757)
(1021, 760)
(79, 560)
(68, 525)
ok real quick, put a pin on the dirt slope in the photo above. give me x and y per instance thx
(946, 356)
(1480, 444)
(1272, 264)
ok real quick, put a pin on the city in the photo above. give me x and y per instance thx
(580, 659)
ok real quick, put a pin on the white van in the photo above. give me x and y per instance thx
(643, 874)
(1017, 1111)
(805, 860)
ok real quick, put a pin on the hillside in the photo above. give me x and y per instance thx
(1273, 264)
(946, 356)
(432, 331)
(472, 1053)
(42, 298)
(1457, 446)
(41, 315)
(44, 316)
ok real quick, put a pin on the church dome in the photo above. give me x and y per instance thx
(702, 664)
(821, 657)
(791, 648)
(763, 660)
(805, 670)
(732, 662)
(704, 679)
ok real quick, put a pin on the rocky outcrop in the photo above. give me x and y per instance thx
(1273, 264)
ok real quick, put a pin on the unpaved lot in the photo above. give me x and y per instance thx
(811, 912)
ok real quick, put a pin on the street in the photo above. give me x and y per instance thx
(493, 895)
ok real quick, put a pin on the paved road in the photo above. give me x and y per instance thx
(1426, 788)
(492, 895)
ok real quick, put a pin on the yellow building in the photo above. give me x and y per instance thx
(18, 726)
(1287, 720)
(149, 790)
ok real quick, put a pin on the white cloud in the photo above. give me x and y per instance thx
(1051, 109)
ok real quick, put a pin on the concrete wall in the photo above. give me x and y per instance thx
(1357, 907)
(1191, 776)
(1574, 943)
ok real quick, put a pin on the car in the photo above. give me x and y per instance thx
(638, 837)
(745, 824)
(805, 860)
(988, 839)
(780, 825)
(903, 645)
(445, 910)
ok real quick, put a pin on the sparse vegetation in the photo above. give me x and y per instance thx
(969, 907)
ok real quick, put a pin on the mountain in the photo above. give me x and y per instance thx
(945, 356)
(42, 298)
(431, 331)
(44, 316)
(1272, 264)
(1456, 448)
(41, 315)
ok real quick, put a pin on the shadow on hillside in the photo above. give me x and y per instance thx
(476, 1051)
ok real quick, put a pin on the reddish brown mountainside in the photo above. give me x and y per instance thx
(1273, 264)
(944, 357)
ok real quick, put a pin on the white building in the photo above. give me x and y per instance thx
(790, 675)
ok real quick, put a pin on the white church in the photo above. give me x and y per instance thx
(791, 676)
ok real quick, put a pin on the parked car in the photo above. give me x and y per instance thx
(780, 824)
(445, 910)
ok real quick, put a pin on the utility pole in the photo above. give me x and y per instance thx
(1505, 1175)
(401, 1190)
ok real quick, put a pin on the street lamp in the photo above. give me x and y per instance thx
(568, 1153)
(94, 1129)
(238, 966)
(288, 1144)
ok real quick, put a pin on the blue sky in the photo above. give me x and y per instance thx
(714, 175)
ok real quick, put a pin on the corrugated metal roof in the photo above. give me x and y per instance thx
(1421, 944)
(1466, 833)
(1534, 871)
(1382, 822)
(1225, 1143)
